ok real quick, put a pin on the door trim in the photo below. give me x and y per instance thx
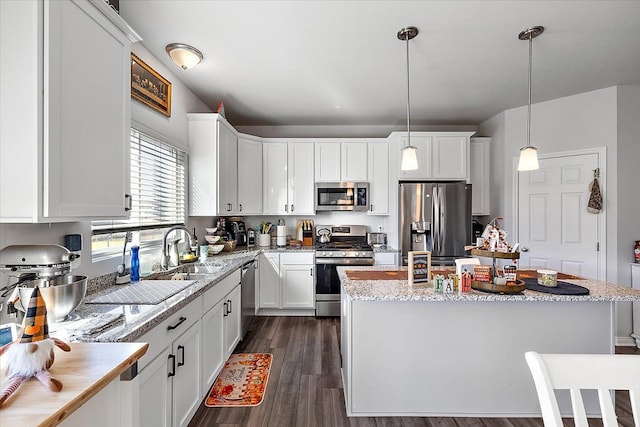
(601, 152)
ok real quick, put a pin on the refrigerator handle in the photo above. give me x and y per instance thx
(441, 219)
(435, 218)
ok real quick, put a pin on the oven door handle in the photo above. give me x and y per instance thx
(343, 261)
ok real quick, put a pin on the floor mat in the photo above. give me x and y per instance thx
(242, 381)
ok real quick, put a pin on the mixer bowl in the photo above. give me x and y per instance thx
(62, 296)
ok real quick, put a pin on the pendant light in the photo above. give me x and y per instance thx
(529, 154)
(183, 55)
(409, 152)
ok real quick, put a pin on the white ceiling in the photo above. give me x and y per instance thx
(340, 62)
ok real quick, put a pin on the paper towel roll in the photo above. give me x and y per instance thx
(281, 235)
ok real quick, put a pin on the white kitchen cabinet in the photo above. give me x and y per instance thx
(327, 161)
(378, 159)
(249, 175)
(64, 151)
(287, 283)
(155, 392)
(385, 258)
(288, 185)
(441, 155)
(450, 157)
(480, 174)
(635, 284)
(170, 371)
(340, 161)
(221, 326)
(213, 166)
(186, 379)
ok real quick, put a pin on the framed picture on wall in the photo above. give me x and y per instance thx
(419, 268)
(149, 87)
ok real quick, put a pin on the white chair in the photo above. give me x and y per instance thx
(602, 372)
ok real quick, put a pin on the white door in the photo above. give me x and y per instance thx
(298, 289)
(450, 157)
(423, 144)
(555, 229)
(354, 161)
(227, 169)
(269, 280)
(232, 320)
(249, 177)
(327, 160)
(274, 167)
(186, 382)
(378, 158)
(212, 345)
(301, 178)
(155, 392)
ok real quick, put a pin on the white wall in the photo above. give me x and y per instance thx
(172, 129)
(607, 118)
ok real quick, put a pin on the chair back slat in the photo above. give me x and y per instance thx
(575, 372)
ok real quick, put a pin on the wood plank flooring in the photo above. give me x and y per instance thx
(305, 387)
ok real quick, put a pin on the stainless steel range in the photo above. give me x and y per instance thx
(337, 245)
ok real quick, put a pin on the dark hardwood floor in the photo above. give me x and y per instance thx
(305, 387)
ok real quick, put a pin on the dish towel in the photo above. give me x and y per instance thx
(95, 324)
(595, 199)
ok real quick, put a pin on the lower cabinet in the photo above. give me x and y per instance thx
(170, 388)
(385, 258)
(287, 281)
(635, 284)
(221, 326)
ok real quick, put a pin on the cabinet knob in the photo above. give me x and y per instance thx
(371, 208)
(311, 271)
(291, 208)
(524, 249)
(240, 207)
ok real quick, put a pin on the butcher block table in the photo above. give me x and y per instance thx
(89, 369)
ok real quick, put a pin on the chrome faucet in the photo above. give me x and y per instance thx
(164, 261)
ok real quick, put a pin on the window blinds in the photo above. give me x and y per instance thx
(158, 185)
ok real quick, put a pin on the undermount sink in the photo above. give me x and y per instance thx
(190, 272)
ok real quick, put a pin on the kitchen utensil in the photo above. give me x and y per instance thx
(324, 235)
(122, 267)
(264, 240)
(212, 240)
(281, 233)
(61, 294)
(215, 249)
(211, 230)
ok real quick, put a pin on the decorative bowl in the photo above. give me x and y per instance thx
(229, 245)
(211, 230)
(212, 240)
(215, 249)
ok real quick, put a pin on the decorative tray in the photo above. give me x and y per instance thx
(494, 254)
(499, 289)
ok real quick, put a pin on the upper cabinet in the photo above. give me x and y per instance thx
(378, 159)
(288, 185)
(441, 155)
(480, 175)
(64, 111)
(225, 171)
(249, 175)
(340, 161)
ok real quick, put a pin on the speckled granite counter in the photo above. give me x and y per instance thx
(410, 352)
(135, 320)
(399, 290)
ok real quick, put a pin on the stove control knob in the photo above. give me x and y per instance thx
(344, 254)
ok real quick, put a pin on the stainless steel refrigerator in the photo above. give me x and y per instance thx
(436, 217)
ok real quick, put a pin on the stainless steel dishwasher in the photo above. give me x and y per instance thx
(248, 294)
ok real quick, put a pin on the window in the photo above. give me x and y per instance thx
(158, 197)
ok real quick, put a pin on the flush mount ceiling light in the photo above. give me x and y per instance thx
(183, 55)
(529, 154)
(409, 152)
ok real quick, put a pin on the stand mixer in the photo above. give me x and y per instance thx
(45, 266)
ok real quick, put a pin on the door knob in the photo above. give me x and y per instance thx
(524, 249)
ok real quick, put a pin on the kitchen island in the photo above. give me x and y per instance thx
(94, 392)
(410, 352)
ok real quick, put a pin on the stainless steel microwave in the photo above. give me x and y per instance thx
(342, 196)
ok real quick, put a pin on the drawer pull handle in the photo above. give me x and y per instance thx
(181, 350)
(173, 366)
(180, 322)
(230, 309)
(226, 313)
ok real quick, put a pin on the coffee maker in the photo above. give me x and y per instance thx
(237, 232)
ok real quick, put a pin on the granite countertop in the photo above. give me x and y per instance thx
(132, 321)
(399, 290)
(384, 248)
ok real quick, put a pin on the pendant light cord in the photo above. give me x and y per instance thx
(529, 108)
(408, 99)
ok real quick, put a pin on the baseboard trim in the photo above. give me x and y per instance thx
(625, 342)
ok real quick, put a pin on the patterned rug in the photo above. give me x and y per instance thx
(242, 381)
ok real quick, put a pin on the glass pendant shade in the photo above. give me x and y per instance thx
(528, 159)
(409, 158)
(183, 55)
